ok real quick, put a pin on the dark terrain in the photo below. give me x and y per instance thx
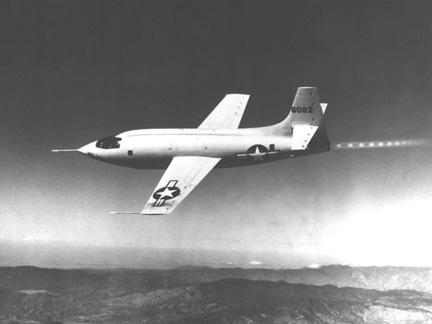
(332, 294)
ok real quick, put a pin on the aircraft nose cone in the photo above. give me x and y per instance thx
(88, 149)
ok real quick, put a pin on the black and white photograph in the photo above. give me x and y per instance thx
(205, 161)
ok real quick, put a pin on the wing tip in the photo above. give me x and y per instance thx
(137, 213)
(151, 212)
(237, 94)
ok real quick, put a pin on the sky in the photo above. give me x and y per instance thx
(72, 72)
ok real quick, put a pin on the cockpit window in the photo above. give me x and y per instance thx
(109, 142)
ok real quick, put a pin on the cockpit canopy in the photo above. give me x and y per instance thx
(111, 142)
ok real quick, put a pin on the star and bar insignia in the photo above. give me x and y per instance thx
(170, 191)
(258, 153)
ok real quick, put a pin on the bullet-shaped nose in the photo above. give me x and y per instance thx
(88, 149)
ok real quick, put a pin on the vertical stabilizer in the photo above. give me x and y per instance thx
(305, 120)
(305, 110)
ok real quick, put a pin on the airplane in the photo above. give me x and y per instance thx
(190, 154)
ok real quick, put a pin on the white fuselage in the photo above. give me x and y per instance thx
(155, 148)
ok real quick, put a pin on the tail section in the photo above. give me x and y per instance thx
(305, 121)
(305, 110)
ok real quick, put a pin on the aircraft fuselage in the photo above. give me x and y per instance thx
(190, 154)
(155, 148)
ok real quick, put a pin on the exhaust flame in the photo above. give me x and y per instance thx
(380, 144)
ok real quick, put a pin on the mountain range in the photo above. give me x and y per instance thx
(331, 294)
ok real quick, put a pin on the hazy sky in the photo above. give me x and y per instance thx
(75, 71)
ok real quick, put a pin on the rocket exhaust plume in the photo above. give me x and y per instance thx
(381, 144)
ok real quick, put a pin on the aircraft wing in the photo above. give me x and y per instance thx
(227, 114)
(182, 176)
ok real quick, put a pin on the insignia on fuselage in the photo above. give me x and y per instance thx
(258, 153)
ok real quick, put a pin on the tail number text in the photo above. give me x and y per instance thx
(304, 110)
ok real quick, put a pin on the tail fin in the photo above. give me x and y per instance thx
(305, 110)
(305, 120)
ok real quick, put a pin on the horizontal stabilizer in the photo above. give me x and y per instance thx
(302, 134)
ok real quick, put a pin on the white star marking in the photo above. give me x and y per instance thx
(257, 155)
(167, 193)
